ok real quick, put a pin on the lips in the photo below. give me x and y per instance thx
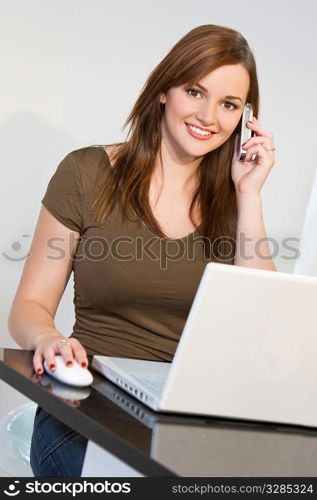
(197, 135)
(201, 128)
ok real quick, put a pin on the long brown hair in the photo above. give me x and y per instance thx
(199, 52)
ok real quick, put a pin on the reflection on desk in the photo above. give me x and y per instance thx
(192, 447)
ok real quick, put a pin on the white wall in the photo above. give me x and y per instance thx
(307, 263)
(71, 71)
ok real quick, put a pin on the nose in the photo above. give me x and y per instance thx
(207, 114)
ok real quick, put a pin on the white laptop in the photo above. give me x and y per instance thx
(248, 351)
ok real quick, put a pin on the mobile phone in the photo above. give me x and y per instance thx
(245, 133)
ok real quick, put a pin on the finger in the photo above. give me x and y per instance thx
(268, 134)
(66, 350)
(38, 362)
(257, 140)
(80, 353)
(49, 357)
(256, 127)
(259, 150)
(254, 150)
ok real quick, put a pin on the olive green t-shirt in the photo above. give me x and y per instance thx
(132, 289)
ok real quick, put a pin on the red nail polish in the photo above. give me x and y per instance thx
(39, 370)
(52, 366)
(84, 365)
(69, 363)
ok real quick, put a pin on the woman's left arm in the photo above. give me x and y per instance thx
(252, 248)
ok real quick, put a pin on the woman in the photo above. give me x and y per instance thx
(137, 222)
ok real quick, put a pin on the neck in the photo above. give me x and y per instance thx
(174, 171)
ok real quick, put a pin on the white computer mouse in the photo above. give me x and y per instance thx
(74, 375)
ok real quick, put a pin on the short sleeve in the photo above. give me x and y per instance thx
(64, 196)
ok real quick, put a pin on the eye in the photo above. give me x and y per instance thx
(233, 106)
(192, 91)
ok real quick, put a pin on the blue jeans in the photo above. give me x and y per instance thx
(56, 449)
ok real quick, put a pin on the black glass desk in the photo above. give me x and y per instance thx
(166, 444)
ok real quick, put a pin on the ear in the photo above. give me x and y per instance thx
(163, 98)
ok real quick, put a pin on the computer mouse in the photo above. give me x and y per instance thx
(74, 375)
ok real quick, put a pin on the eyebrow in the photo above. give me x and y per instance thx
(226, 97)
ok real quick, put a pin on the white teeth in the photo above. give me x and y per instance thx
(198, 130)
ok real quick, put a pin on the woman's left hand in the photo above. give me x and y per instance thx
(249, 175)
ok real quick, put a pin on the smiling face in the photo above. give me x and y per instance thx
(215, 108)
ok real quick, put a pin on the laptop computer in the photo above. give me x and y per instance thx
(248, 350)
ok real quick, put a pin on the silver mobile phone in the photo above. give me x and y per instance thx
(245, 133)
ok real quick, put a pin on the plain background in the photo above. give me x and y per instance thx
(71, 71)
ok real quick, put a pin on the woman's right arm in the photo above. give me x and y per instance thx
(43, 282)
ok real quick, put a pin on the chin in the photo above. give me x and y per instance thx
(197, 147)
(197, 150)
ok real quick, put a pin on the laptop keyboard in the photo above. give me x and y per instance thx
(153, 383)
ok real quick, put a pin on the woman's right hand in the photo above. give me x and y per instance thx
(50, 345)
